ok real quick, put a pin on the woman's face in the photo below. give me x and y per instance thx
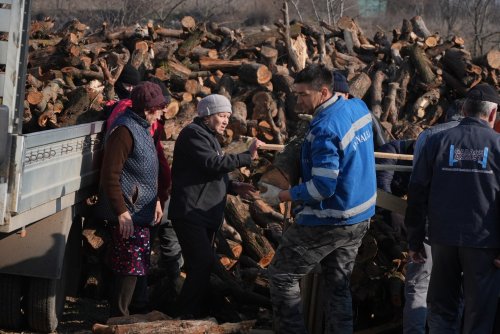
(153, 114)
(218, 122)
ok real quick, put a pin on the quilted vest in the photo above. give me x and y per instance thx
(139, 177)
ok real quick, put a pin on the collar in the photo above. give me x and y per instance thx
(199, 121)
(142, 122)
(325, 105)
(475, 121)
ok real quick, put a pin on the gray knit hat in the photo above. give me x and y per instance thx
(213, 104)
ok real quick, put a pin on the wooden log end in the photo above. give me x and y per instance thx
(188, 22)
(266, 260)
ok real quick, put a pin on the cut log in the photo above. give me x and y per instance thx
(376, 93)
(50, 93)
(422, 64)
(185, 116)
(285, 169)
(269, 57)
(439, 49)
(199, 52)
(190, 43)
(166, 32)
(490, 59)
(455, 62)
(171, 110)
(255, 73)
(263, 105)
(419, 27)
(390, 113)
(209, 64)
(429, 98)
(230, 232)
(254, 243)
(238, 120)
(188, 23)
(79, 102)
(226, 86)
(33, 96)
(359, 85)
(175, 326)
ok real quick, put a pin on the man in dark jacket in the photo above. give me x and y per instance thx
(418, 274)
(200, 184)
(456, 184)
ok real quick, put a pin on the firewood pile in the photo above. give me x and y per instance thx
(407, 78)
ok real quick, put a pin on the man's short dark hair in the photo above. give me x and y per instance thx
(316, 75)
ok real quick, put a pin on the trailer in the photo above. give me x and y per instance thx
(44, 179)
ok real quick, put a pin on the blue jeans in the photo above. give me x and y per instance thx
(417, 280)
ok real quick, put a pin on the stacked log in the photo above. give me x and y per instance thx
(407, 80)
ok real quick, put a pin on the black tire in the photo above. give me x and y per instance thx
(44, 304)
(10, 301)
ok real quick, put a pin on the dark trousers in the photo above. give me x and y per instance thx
(126, 289)
(199, 256)
(481, 287)
(301, 249)
(170, 250)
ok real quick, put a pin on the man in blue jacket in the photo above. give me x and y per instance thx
(337, 196)
(456, 185)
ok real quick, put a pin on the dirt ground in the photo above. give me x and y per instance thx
(78, 317)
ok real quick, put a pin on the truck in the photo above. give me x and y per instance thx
(45, 178)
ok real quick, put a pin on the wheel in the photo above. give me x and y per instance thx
(10, 301)
(44, 300)
(44, 303)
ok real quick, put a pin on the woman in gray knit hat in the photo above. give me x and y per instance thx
(200, 184)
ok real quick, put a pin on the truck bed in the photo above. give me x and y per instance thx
(56, 169)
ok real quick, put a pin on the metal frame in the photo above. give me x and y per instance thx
(14, 52)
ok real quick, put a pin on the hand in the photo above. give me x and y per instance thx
(269, 193)
(496, 261)
(253, 148)
(158, 213)
(417, 257)
(245, 190)
(126, 225)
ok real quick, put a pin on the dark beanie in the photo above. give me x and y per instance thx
(484, 92)
(130, 75)
(339, 83)
(147, 95)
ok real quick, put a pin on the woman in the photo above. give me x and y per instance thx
(128, 197)
(200, 184)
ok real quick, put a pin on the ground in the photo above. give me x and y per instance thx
(79, 316)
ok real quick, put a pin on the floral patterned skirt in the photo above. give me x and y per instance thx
(130, 256)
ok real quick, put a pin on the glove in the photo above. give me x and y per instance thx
(269, 193)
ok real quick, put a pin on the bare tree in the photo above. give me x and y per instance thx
(335, 10)
(449, 12)
(479, 12)
(296, 6)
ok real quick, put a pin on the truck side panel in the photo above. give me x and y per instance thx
(57, 163)
(41, 252)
